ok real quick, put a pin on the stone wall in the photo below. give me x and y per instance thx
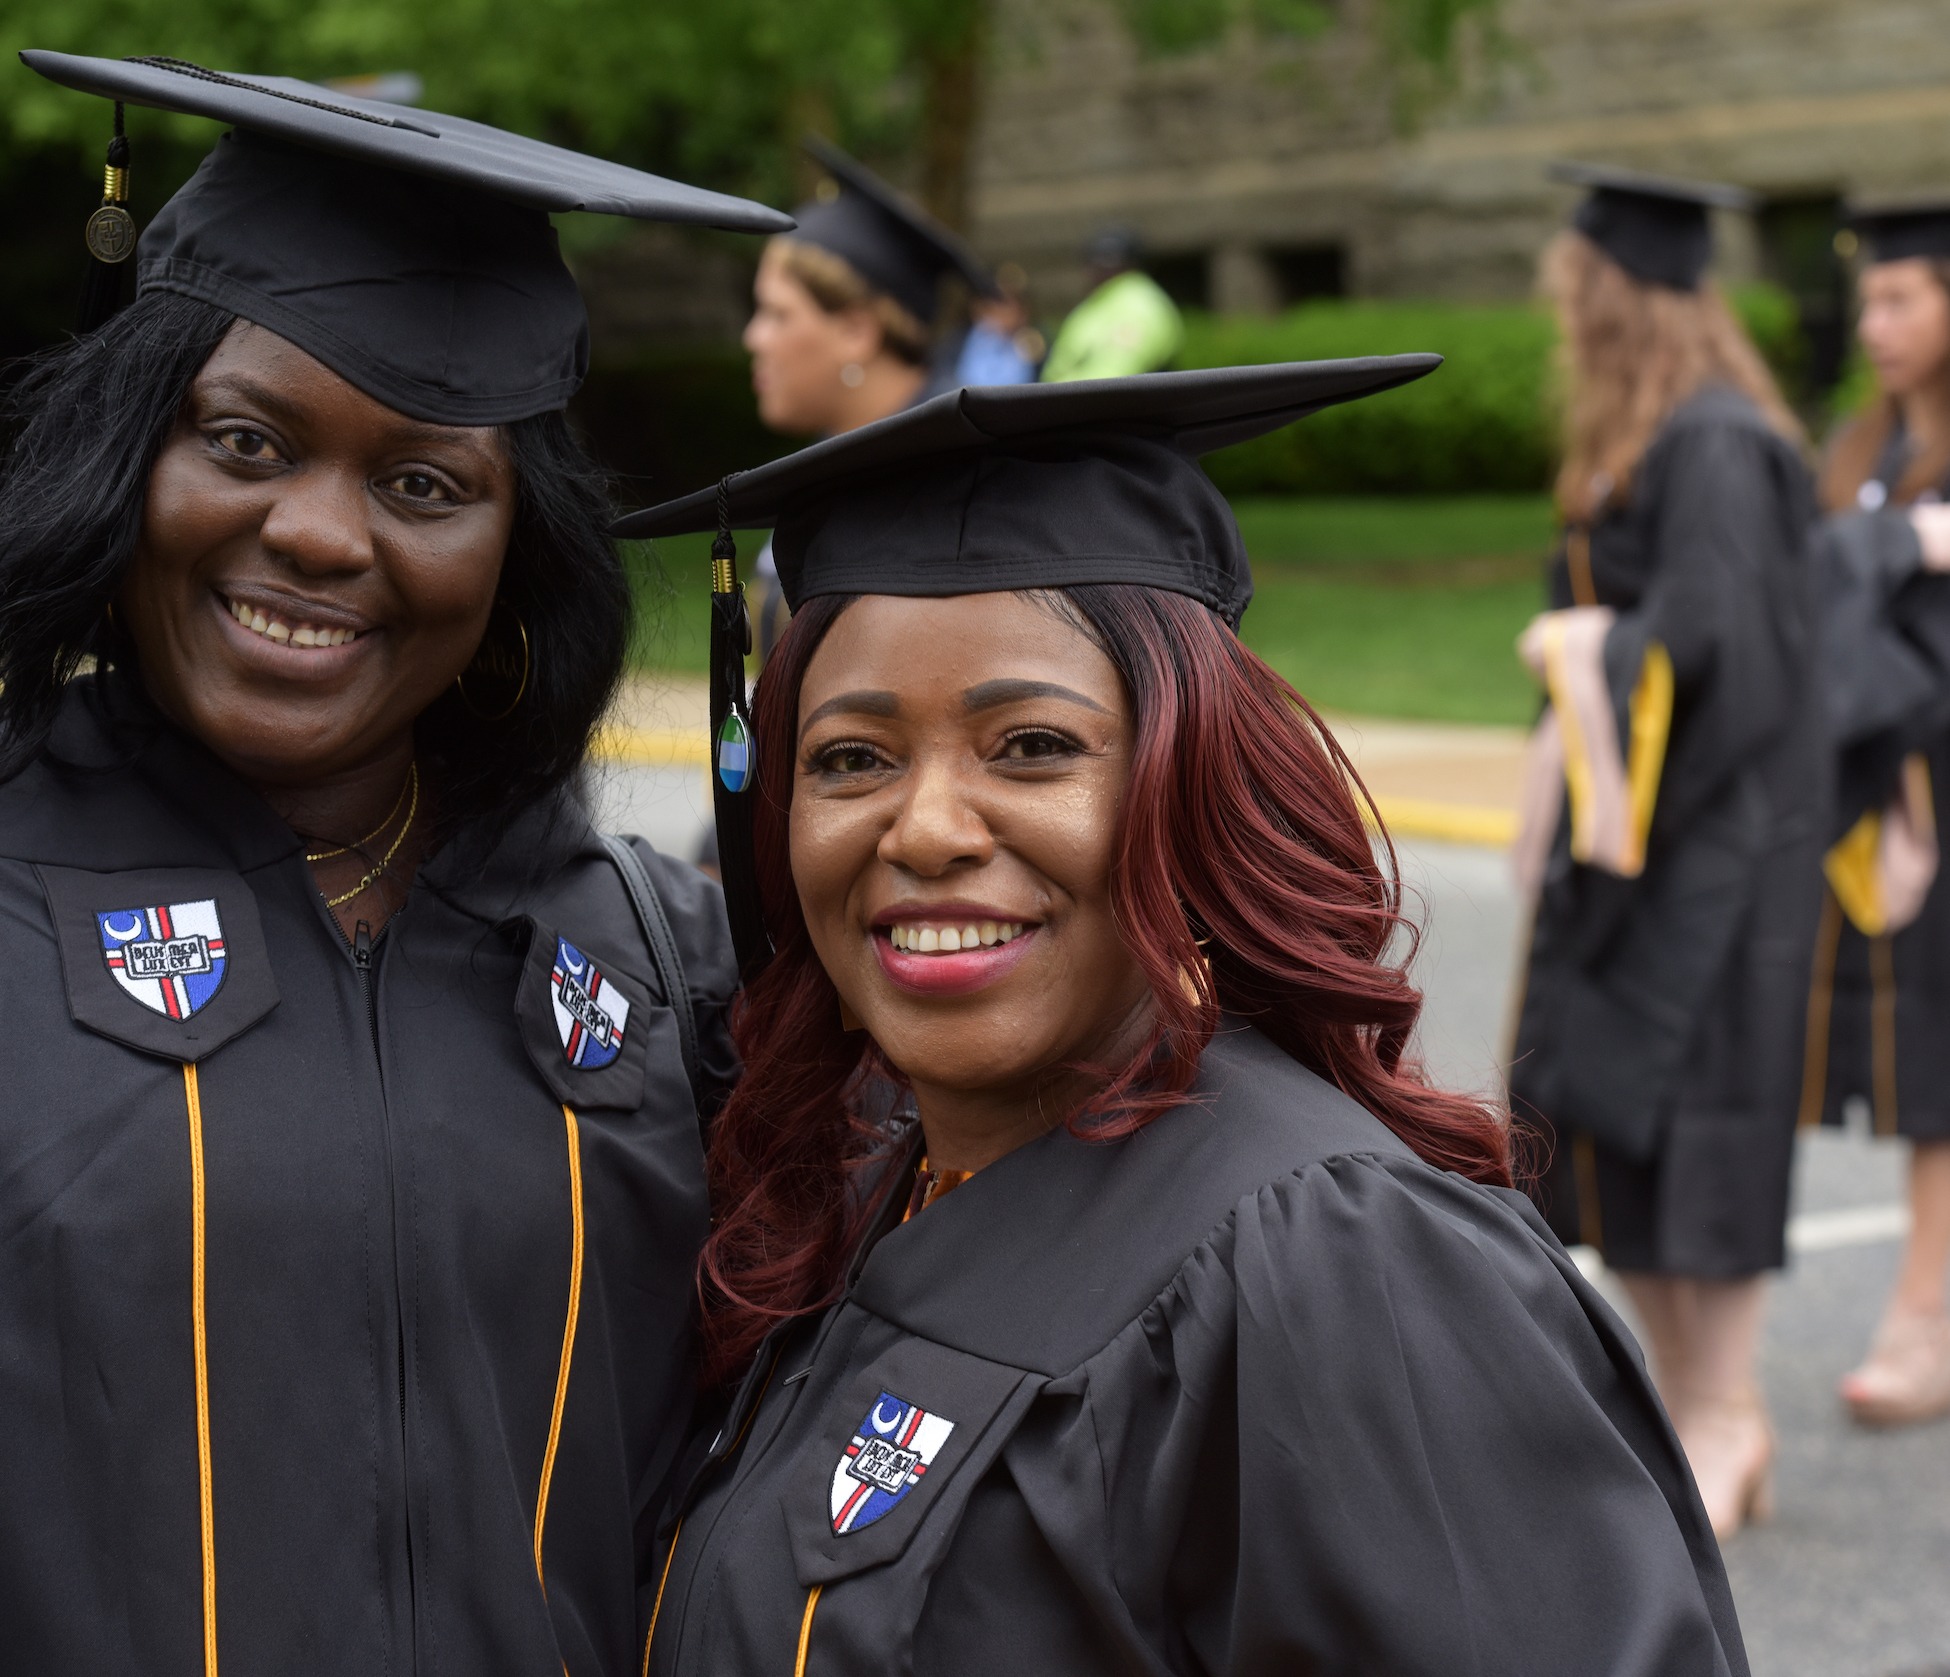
(1257, 166)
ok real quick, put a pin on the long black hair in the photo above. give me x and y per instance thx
(84, 423)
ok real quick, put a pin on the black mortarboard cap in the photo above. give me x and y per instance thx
(895, 246)
(1657, 229)
(410, 252)
(985, 489)
(1895, 232)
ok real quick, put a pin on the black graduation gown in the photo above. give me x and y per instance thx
(1254, 1391)
(391, 1233)
(1878, 1003)
(1660, 1039)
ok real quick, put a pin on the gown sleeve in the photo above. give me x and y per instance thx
(1447, 1461)
(1704, 669)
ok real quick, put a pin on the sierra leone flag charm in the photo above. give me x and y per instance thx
(735, 754)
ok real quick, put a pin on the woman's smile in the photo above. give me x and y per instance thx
(950, 949)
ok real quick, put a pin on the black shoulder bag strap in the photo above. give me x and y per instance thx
(663, 950)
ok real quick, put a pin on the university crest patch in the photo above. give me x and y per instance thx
(590, 1012)
(888, 1456)
(170, 957)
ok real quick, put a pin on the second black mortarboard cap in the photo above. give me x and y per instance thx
(410, 252)
(1657, 229)
(1896, 232)
(895, 246)
(987, 489)
(1030, 486)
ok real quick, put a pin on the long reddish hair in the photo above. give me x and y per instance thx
(1245, 880)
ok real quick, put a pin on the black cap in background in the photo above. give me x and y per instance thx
(410, 252)
(1657, 229)
(1897, 231)
(895, 246)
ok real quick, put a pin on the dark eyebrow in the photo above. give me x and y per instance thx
(987, 695)
(868, 701)
(241, 386)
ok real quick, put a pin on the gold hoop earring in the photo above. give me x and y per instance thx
(494, 664)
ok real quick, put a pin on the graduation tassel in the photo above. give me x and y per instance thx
(734, 757)
(109, 236)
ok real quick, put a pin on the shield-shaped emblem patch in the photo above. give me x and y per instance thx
(590, 1012)
(169, 957)
(887, 1457)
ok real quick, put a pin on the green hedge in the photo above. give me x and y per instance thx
(667, 422)
(1481, 423)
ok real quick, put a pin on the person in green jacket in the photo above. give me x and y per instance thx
(1125, 325)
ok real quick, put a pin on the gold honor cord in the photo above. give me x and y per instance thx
(657, 1606)
(805, 1631)
(568, 1337)
(194, 1101)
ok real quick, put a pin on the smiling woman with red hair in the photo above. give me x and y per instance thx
(1178, 1324)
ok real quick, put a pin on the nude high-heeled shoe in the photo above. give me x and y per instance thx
(1906, 1376)
(1730, 1446)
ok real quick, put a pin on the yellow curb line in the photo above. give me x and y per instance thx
(653, 748)
(1429, 818)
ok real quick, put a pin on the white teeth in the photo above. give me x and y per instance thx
(270, 628)
(947, 940)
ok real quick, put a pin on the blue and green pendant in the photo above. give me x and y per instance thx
(736, 757)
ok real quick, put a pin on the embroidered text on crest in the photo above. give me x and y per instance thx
(590, 1011)
(169, 957)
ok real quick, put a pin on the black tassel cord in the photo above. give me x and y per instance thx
(734, 749)
(110, 238)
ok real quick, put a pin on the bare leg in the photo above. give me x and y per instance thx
(1656, 1301)
(1920, 1285)
(1907, 1375)
(1720, 1417)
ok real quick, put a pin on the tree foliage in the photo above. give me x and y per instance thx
(714, 90)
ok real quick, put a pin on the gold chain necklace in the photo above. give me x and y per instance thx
(359, 844)
(392, 850)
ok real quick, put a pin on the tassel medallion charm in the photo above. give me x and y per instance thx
(735, 757)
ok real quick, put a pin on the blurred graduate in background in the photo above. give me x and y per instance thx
(1125, 325)
(844, 318)
(1673, 811)
(1881, 990)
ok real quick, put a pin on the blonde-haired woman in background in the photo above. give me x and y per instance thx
(843, 318)
(1882, 969)
(1673, 814)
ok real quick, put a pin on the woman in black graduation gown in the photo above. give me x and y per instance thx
(1881, 992)
(1673, 815)
(349, 1168)
(1188, 1329)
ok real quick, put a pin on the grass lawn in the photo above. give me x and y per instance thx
(1402, 607)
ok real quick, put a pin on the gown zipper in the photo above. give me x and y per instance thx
(361, 945)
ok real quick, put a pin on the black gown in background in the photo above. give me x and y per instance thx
(435, 1275)
(1253, 1391)
(1879, 1004)
(1660, 1039)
